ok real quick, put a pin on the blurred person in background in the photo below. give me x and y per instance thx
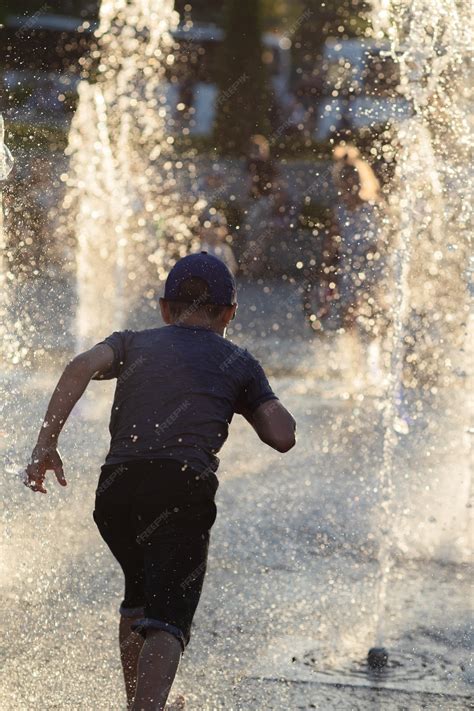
(261, 168)
(210, 186)
(258, 215)
(359, 222)
(271, 232)
(214, 236)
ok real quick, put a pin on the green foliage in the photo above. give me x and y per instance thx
(316, 215)
(244, 101)
(280, 14)
(201, 10)
(321, 19)
(334, 18)
(33, 137)
(75, 8)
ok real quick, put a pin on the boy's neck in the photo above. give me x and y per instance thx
(200, 323)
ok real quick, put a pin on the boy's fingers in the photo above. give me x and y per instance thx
(59, 470)
(60, 476)
(39, 487)
(34, 478)
(36, 471)
(35, 485)
(32, 475)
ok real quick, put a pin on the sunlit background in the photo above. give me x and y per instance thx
(322, 151)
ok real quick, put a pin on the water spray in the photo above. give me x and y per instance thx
(6, 158)
(6, 166)
(429, 55)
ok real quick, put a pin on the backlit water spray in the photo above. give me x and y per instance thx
(129, 214)
(8, 347)
(127, 219)
(430, 304)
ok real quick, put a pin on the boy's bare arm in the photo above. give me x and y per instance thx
(72, 384)
(274, 425)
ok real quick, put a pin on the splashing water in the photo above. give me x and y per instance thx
(122, 184)
(6, 158)
(126, 219)
(6, 165)
(430, 198)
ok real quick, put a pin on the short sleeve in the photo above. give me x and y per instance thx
(256, 390)
(118, 342)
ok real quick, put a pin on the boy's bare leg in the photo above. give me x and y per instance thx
(130, 647)
(157, 667)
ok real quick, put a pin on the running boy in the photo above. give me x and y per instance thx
(177, 390)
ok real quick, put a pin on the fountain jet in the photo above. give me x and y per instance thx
(129, 218)
(429, 201)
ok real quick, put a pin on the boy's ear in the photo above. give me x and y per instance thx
(232, 312)
(228, 314)
(165, 311)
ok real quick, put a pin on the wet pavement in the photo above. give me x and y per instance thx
(289, 608)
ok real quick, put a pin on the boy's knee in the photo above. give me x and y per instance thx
(164, 636)
(150, 628)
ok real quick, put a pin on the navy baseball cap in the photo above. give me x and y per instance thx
(222, 287)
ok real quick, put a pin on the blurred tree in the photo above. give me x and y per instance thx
(244, 101)
(334, 17)
(75, 8)
(280, 14)
(200, 10)
(319, 20)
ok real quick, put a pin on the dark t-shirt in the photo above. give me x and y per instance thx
(178, 388)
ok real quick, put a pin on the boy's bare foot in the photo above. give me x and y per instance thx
(178, 703)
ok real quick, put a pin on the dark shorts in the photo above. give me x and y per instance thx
(156, 518)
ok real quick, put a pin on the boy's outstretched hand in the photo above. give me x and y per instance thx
(69, 389)
(43, 459)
